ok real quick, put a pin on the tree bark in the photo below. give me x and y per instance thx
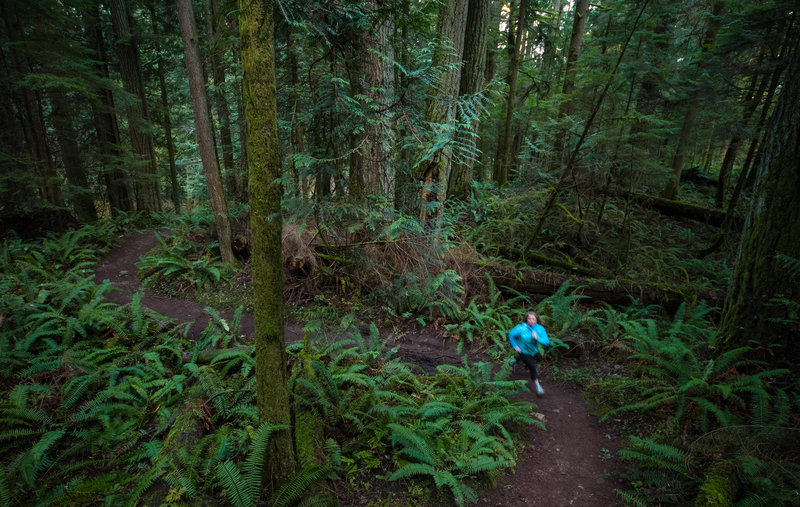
(772, 229)
(80, 195)
(215, 25)
(258, 64)
(434, 171)
(31, 118)
(472, 81)
(377, 159)
(105, 120)
(504, 147)
(205, 137)
(175, 192)
(146, 182)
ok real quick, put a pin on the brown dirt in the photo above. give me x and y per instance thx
(573, 462)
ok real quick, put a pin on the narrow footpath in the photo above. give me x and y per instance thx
(573, 462)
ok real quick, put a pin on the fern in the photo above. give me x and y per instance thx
(243, 489)
(232, 482)
(413, 444)
(298, 485)
(37, 457)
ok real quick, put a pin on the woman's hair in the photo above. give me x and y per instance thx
(538, 319)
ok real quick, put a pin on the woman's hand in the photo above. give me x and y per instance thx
(533, 335)
(518, 349)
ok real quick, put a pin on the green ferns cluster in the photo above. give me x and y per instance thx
(178, 262)
(112, 404)
(726, 429)
(381, 413)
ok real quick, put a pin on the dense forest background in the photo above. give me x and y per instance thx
(629, 168)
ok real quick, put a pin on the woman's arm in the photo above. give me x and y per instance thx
(512, 337)
(541, 335)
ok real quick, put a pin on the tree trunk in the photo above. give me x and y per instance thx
(31, 118)
(471, 84)
(685, 136)
(258, 64)
(146, 181)
(377, 159)
(175, 192)
(205, 138)
(570, 72)
(434, 171)
(772, 230)
(750, 104)
(673, 208)
(220, 99)
(79, 194)
(105, 120)
(296, 140)
(502, 161)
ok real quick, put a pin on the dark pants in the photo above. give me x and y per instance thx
(530, 362)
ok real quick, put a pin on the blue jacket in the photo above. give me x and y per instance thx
(520, 336)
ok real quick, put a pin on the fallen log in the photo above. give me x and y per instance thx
(673, 208)
(611, 291)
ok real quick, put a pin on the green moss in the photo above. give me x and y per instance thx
(720, 486)
(309, 439)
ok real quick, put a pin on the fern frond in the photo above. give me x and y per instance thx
(256, 457)
(645, 450)
(36, 459)
(299, 484)
(231, 480)
(412, 469)
(414, 445)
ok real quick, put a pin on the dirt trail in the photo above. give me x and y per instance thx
(571, 463)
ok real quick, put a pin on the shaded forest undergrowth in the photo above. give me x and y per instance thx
(100, 400)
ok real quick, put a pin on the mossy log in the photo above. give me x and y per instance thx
(309, 439)
(720, 486)
(186, 432)
(611, 291)
(674, 208)
(531, 257)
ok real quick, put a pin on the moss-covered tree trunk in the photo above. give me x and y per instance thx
(258, 64)
(771, 231)
(570, 73)
(202, 123)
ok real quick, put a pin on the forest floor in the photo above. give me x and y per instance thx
(573, 462)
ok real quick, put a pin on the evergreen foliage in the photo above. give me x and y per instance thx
(91, 389)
